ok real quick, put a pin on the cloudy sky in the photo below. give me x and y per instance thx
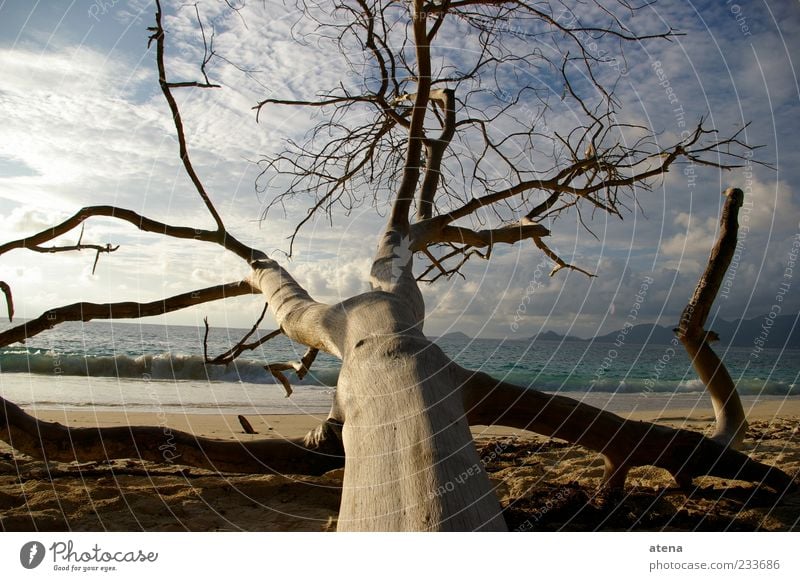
(82, 123)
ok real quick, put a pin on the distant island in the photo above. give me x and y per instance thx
(456, 336)
(780, 331)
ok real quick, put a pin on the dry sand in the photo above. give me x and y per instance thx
(543, 484)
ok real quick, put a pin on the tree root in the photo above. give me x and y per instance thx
(623, 443)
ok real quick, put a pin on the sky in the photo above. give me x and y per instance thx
(82, 123)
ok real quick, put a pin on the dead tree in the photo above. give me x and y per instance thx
(402, 409)
(731, 424)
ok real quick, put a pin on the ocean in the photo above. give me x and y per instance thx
(152, 367)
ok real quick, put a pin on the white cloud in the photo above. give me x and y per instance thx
(27, 219)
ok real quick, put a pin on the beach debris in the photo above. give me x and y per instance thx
(246, 425)
(301, 368)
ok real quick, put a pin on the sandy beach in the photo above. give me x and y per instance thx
(543, 483)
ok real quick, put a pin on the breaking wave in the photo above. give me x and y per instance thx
(172, 367)
(164, 367)
(578, 383)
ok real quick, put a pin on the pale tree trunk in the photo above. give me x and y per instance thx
(731, 424)
(406, 436)
(411, 463)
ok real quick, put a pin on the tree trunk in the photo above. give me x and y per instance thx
(731, 424)
(411, 463)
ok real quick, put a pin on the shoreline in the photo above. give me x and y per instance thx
(225, 424)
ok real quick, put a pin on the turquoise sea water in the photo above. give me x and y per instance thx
(146, 366)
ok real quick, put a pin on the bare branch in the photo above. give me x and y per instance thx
(694, 316)
(466, 252)
(624, 443)
(435, 152)
(416, 132)
(325, 102)
(619, 175)
(246, 425)
(465, 242)
(241, 346)
(124, 310)
(108, 248)
(141, 222)
(300, 367)
(510, 234)
(560, 264)
(195, 84)
(159, 36)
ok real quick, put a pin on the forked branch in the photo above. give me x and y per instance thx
(166, 88)
(301, 368)
(241, 346)
(416, 132)
(560, 263)
(141, 222)
(444, 98)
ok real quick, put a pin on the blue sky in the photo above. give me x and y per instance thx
(83, 123)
